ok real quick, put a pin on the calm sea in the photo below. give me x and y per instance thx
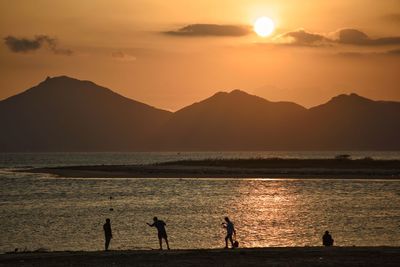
(40, 211)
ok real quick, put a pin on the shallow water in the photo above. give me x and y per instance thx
(39, 211)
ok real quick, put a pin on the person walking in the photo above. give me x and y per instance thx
(107, 233)
(230, 230)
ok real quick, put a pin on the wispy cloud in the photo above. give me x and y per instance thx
(121, 56)
(26, 45)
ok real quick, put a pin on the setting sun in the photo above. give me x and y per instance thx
(264, 26)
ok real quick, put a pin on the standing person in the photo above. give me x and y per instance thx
(327, 239)
(230, 230)
(107, 233)
(162, 233)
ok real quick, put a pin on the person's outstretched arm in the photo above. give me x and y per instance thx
(151, 225)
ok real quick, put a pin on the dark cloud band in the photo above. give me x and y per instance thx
(395, 52)
(199, 30)
(344, 36)
(356, 37)
(392, 18)
(25, 45)
(302, 38)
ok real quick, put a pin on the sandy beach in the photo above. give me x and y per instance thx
(308, 256)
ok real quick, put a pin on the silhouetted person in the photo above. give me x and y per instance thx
(107, 233)
(327, 239)
(162, 233)
(230, 230)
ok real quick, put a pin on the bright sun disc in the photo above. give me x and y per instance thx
(264, 26)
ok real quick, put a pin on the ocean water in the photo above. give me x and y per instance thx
(41, 211)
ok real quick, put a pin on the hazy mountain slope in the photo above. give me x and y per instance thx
(233, 121)
(354, 122)
(65, 114)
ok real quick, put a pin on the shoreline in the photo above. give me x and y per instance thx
(210, 175)
(237, 168)
(283, 256)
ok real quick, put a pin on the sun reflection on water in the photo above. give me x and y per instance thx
(65, 214)
(264, 210)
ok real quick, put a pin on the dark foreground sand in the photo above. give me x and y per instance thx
(311, 256)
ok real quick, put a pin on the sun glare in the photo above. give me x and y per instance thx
(264, 26)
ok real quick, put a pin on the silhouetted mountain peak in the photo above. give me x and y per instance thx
(234, 93)
(349, 98)
(65, 83)
(63, 92)
(57, 80)
(233, 99)
(238, 100)
(239, 92)
(346, 101)
(61, 88)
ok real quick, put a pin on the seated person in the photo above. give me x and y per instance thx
(327, 239)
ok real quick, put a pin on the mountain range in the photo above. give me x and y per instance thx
(64, 114)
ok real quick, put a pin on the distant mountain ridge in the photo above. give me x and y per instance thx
(227, 121)
(66, 114)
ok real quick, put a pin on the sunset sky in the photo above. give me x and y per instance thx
(172, 53)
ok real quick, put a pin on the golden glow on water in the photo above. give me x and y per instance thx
(266, 212)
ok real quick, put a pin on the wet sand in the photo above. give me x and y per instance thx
(238, 168)
(309, 256)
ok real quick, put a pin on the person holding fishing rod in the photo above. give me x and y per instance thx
(230, 230)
